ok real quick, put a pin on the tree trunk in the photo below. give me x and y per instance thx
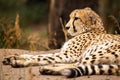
(61, 9)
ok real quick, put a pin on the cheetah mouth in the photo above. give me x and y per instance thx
(69, 36)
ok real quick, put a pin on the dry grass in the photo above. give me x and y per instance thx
(12, 36)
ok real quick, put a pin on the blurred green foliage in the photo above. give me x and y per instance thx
(30, 11)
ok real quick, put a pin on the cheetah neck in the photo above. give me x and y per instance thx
(93, 31)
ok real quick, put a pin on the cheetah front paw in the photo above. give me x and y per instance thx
(14, 61)
(9, 60)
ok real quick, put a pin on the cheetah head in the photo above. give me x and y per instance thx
(82, 21)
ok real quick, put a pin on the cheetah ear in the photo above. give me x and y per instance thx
(88, 8)
(92, 19)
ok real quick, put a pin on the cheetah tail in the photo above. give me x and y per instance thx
(90, 70)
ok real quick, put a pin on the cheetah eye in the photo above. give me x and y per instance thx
(76, 18)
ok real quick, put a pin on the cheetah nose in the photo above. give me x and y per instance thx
(67, 27)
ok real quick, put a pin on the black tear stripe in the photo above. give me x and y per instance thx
(76, 18)
(74, 29)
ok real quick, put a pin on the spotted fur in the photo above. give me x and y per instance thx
(90, 51)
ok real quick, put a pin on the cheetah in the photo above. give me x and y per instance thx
(90, 51)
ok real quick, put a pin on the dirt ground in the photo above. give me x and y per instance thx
(32, 73)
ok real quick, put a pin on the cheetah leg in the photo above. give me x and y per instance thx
(56, 68)
(26, 60)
